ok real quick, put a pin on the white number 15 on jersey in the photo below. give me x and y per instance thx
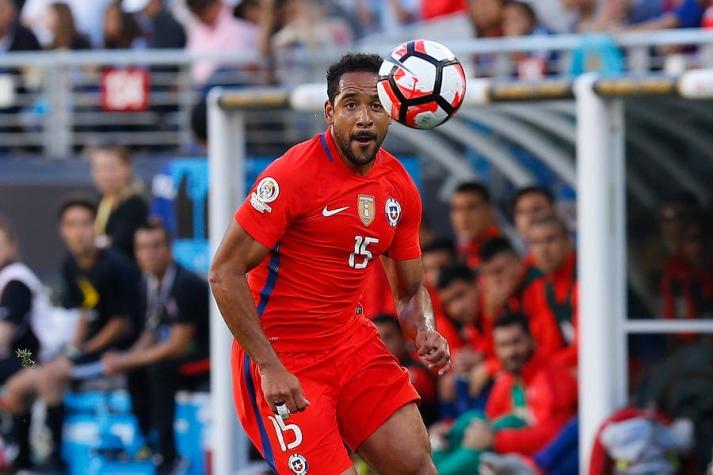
(361, 250)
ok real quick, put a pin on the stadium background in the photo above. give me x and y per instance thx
(59, 102)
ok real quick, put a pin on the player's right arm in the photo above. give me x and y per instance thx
(236, 255)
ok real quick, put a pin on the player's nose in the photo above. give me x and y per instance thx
(364, 118)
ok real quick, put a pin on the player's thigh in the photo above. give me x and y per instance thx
(307, 442)
(374, 388)
(400, 446)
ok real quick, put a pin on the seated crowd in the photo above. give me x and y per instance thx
(509, 310)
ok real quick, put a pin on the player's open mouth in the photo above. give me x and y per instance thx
(364, 139)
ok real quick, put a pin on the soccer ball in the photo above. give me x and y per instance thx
(421, 84)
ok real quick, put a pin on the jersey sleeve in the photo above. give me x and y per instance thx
(406, 243)
(272, 203)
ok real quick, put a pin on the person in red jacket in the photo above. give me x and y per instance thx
(531, 203)
(472, 221)
(554, 310)
(687, 283)
(532, 399)
(468, 340)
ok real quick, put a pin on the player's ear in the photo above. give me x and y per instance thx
(329, 112)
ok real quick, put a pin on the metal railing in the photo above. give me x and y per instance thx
(57, 110)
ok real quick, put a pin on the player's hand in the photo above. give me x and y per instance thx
(433, 350)
(280, 385)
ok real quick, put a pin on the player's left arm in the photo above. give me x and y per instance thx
(405, 270)
(415, 312)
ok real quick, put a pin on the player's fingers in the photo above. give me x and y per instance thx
(301, 401)
(445, 368)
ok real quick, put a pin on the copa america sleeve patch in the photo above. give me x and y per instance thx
(267, 191)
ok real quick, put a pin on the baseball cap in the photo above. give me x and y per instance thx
(134, 6)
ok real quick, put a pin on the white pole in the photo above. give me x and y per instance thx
(599, 231)
(226, 153)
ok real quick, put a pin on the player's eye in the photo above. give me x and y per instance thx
(377, 106)
(350, 105)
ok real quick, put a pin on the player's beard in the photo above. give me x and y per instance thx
(356, 154)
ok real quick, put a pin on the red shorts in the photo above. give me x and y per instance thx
(352, 388)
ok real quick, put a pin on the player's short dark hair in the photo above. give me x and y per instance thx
(512, 318)
(387, 319)
(533, 190)
(77, 202)
(526, 7)
(440, 244)
(494, 247)
(551, 220)
(155, 224)
(350, 63)
(455, 273)
(475, 188)
(7, 229)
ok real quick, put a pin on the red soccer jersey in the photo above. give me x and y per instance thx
(326, 226)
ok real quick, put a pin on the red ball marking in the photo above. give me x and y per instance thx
(395, 103)
(413, 111)
(408, 85)
(420, 46)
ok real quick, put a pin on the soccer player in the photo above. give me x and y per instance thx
(310, 372)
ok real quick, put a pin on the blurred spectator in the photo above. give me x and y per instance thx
(519, 19)
(13, 35)
(687, 283)
(531, 203)
(592, 15)
(685, 14)
(502, 278)
(431, 9)
(173, 348)
(468, 334)
(214, 29)
(472, 221)
(376, 16)
(160, 29)
(22, 300)
(436, 256)
(104, 286)
(62, 29)
(122, 208)
(487, 17)
(121, 31)
(530, 402)
(555, 16)
(423, 380)
(307, 26)
(554, 316)
(707, 23)
(88, 16)
(673, 216)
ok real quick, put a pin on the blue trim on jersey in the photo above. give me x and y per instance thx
(323, 139)
(266, 447)
(274, 268)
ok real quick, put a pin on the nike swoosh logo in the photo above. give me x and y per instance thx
(331, 212)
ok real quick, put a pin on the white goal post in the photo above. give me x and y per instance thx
(601, 209)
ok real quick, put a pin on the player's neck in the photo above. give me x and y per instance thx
(361, 170)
